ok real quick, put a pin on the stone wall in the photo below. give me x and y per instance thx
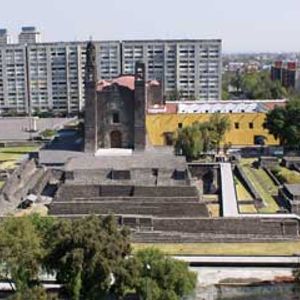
(115, 99)
(239, 226)
(28, 178)
(17, 184)
(68, 191)
(143, 176)
(269, 162)
(209, 174)
(141, 199)
(273, 177)
(177, 210)
(248, 184)
(42, 182)
(289, 161)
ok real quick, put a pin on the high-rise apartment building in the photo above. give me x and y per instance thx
(186, 68)
(42, 77)
(287, 73)
(29, 35)
(3, 36)
(37, 76)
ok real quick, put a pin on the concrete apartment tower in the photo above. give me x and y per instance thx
(140, 104)
(90, 126)
(3, 37)
(29, 35)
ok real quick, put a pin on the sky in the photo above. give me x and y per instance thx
(243, 25)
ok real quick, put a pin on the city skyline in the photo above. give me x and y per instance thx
(243, 27)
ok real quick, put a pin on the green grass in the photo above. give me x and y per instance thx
(9, 164)
(247, 161)
(10, 155)
(241, 191)
(18, 150)
(290, 176)
(280, 248)
(264, 186)
(15, 153)
(247, 209)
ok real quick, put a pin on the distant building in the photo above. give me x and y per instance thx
(29, 35)
(115, 110)
(247, 119)
(3, 37)
(287, 73)
(190, 68)
(43, 77)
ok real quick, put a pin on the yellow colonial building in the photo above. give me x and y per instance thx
(247, 118)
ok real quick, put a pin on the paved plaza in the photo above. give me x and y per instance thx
(18, 129)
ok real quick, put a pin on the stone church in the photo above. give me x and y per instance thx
(115, 110)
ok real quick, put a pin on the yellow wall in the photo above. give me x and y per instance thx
(158, 124)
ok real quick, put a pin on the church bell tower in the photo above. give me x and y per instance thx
(90, 118)
(140, 104)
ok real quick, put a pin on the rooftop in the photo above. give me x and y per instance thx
(124, 81)
(218, 106)
(138, 160)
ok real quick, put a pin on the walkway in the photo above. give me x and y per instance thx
(242, 261)
(229, 200)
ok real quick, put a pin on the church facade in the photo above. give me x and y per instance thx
(115, 110)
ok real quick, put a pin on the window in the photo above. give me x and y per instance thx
(236, 125)
(179, 125)
(251, 125)
(169, 136)
(116, 118)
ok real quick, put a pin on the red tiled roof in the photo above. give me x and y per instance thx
(171, 108)
(154, 82)
(272, 105)
(125, 81)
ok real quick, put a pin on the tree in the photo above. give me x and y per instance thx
(35, 293)
(284, 124)
(256, 85)
(236, 81)
(162, 277)
(219, 126)
(200, 138)
(87, 253)
(260, 86)
(21, 252)
(189, 142)
(174, 95)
